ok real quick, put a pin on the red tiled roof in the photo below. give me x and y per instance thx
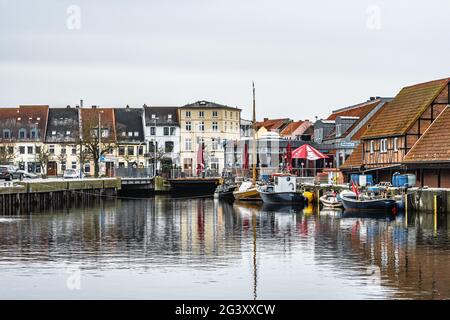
(26, 116)
(89, 118)
(291, 127)
(405, 109)
(272, 124)
(434, 144)
(360, 110)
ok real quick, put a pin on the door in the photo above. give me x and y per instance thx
(52, 168)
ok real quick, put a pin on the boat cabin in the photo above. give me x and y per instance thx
(284, 183)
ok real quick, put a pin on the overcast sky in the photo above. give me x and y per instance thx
(306, 57)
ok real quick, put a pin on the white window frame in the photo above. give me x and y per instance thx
(215, 126)
(396, 144)
(188, 126)
(372, 146)
(188, 144)
(201, 114)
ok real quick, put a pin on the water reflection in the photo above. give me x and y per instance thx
(201, 248)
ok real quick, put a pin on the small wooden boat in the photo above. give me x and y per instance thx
(247, 192)
(284, 190)
(330, 200)
(367, 203)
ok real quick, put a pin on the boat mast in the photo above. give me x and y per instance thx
(254, 140)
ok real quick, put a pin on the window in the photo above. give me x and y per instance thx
(201, 114)
(168, 146)
(214, 114)
(141, 150)
(136, 133)
(226, 114)
(63, 165)
(215, 126)
(22, 150)
(151, 146)
(130, 150)
(338, 130)
(51, 149)
(74, 151)
(166, 131)
(34, 133)
(130, 134)
(121, 151)
(22, 133)
(383, 145)
(153, 116)
(188, 126)
(87, 167)
(169, 117)
(74, 164)
(30, 150)
(38, 150)
(153, 131)
(201, 126)
(188, 144)
(105, 133)
(188, 114)
(214, 144)
(6, 134)
(395, 144)
(67, 133)
(124, 134)
(63, 150)
(372, 143)
(172, 131)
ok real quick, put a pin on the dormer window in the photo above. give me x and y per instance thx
(19, 118)
(38, 118)
(34, 133)
(22, 133)
(124, 134)
(54, 133)
(130, 134)
(153, 116)
(67, 133)
(169, 117)
(6, 134)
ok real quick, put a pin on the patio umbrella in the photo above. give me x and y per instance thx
(200, 159)
(309, 153)
(289, 157)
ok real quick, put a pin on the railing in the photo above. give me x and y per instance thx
(129, 172)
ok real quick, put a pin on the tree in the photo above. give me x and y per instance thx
(7, 153)
(94, 148)
(43, 157)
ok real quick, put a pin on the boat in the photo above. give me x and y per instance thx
(194, 185)
(330, 200)
(367, 203)
(283, 190)
(225, 191)
(247, 192)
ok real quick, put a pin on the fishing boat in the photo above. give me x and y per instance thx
(225, 191)
(330, 200)
(367, 203)
(283, 190)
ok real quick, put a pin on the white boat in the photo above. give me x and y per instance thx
(330, 200)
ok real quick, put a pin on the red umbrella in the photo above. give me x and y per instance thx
(200, 159)
(245, 163)
(289, 157)
(307, 152)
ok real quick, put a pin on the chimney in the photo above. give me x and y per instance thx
(94, 107)
(68, 106)
(371, 98)
(77, 106)
(128, 107)
(265, 119)
(81, 103)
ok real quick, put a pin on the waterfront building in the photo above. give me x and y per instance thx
(90, 120)
(397, 128)
(209, 123)
(298, 130)
(162, 128)
(22, 134)
(62, 141)
(340, 134)
(131, 146)
(429, 158)
(271, 125)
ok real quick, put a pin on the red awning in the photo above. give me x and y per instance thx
(308, 152)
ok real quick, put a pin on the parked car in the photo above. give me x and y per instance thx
(9, 173)
(26, 174)
(72, 174)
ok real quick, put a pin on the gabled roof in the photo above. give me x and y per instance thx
(273, 124)
(63, 125)
(128, 124)
(359, 110)
(163, 115)
(208, 104)
(27, 117)
(405, 109)
(434, 144)
(89, 119)
(290, 128)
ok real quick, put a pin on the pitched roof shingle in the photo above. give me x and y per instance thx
(405, 109)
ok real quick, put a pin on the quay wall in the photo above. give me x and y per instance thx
(35, 195)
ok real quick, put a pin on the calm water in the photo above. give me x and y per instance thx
(162, 248)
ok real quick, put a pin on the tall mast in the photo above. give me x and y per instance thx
(254, 139)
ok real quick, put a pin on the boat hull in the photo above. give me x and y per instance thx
(247, 195)
(381, 205)
(225, 193)
(194, 186)
(330, 203)
(282, 197)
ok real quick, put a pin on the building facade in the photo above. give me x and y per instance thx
(211, 124)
